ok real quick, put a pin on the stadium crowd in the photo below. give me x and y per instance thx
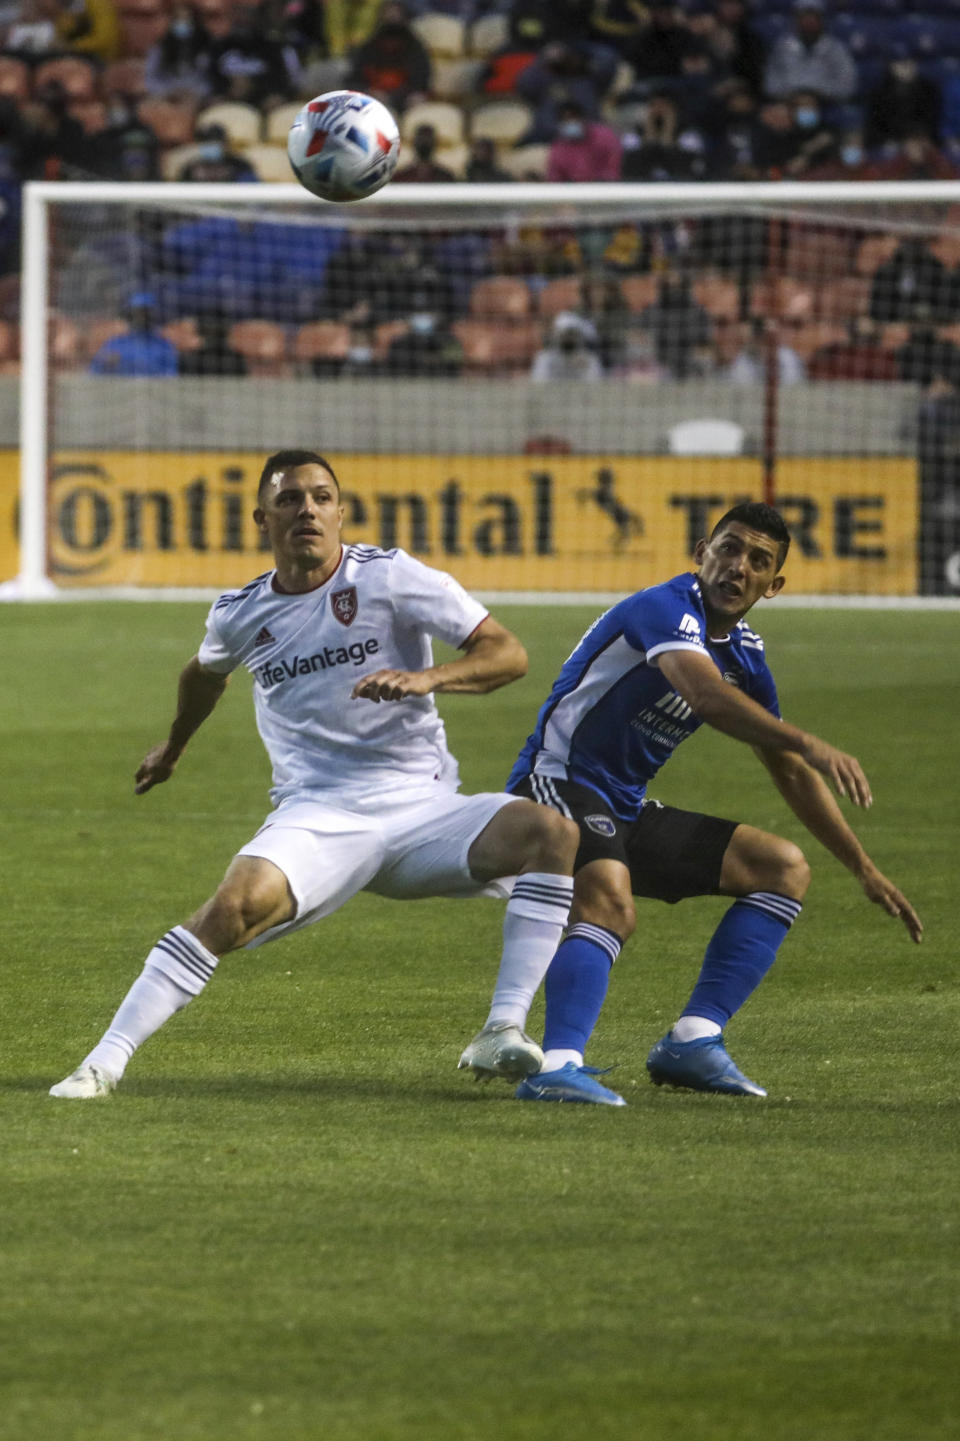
(569, 90)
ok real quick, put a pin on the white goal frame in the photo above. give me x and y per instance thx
(512, 200)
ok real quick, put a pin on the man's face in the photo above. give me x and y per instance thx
(300, 511)
(737, 567)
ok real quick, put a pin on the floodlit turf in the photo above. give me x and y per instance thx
(297, 1222)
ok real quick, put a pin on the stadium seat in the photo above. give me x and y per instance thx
(124, 77)
(271, 163)
(490, 347)
(455, 79)
(525, 162)
(639, 291)
(183, 333)
(277, 124)
(706, 435)
(14, 78)
(564, 293)
(77, 76)
(503, 296)
(263, 344)
(488, 34)
(446, 119)
(443, 35)
(321, 340)
(173, 161)
(172, 121)
(241, 122)
(502, 121)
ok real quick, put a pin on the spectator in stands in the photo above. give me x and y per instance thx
(297, 25)
(89, 27)
(582, 25)
(937, 435)
(216, 162)
(848, 160)
(904, 103)
(777, 139)
(749, 365)
(607, 311)
(584, 149)
(556, 78)
(178, 65)
(736, 152)
(815, 141)
(424, 170)
(860, 357)
(48, 142)
(618, 24)
(349, 24)
(570, 352)
(809, 59)
(702, 78)
(247, 67)
(393, 65)
(482, 167)
(142, 350)
(660, 150)
(657, 52)
(34, 33)
(428, 347)
(215, 356)
(916, 157)
(725, 28)
(681, 329)
(127, 149)
(913, 287)
(927, 356)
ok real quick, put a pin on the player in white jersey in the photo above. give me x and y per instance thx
(337, 639)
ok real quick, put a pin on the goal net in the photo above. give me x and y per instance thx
(548, 390)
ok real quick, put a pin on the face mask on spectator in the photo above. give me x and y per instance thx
(212, 150)
(851, 154)
(572, 129)
(360, 354)
(807, 117)
(422, 324)
(181, 29)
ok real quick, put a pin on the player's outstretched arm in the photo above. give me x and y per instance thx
(492, 657)
(810, 800)
(694, 677)
(198, 691)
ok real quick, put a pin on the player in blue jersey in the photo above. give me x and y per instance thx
(644, 678)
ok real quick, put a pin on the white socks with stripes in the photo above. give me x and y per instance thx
(536, 915)
(176, 970)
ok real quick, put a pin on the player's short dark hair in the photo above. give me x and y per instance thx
(756, 515)
(292, 460)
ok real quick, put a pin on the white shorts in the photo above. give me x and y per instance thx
(406, 851)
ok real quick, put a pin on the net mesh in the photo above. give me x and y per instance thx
(543, 399)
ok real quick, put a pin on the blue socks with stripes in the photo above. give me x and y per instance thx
(741, 951)
(575, 989)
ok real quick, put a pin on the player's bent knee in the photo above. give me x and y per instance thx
(253, 896)
(604, 905)
(794, 871)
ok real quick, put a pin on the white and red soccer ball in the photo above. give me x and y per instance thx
(343, 145)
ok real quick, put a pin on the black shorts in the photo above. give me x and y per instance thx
(671, 854)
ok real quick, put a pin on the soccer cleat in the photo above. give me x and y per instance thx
(569, 1083)
(501, 1049)
(701, 1065)
(84, 1084)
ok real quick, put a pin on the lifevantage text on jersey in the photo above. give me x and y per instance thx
(274, 672)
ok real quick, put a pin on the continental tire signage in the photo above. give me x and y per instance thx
(555, 523)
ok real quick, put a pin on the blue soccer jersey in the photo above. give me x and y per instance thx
(611, 719)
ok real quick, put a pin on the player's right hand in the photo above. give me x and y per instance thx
(155, 768)
(843, 772)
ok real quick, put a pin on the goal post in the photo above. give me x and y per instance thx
(550, 390)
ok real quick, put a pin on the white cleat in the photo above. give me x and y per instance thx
(502, 1050)
(86, 1083)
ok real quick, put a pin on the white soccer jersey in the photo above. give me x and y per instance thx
(378, 611)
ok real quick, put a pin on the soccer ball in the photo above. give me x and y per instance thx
(343, 145)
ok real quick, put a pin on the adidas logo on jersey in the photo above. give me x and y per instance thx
(689, 625)
(263, 636)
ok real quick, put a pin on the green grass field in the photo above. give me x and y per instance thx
(297, 1222)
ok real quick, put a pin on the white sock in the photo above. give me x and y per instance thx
(553, 1060)
(176, 970)
(536, 915)
(694, 1028)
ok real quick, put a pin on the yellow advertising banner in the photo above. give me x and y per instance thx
(526, 522)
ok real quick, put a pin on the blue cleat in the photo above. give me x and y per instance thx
(701, 1065)
(569, 1083)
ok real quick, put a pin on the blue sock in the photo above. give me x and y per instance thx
(741, 951)
(576, 986)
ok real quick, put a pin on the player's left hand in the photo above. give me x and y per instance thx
(884, 893)
(391, 685)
